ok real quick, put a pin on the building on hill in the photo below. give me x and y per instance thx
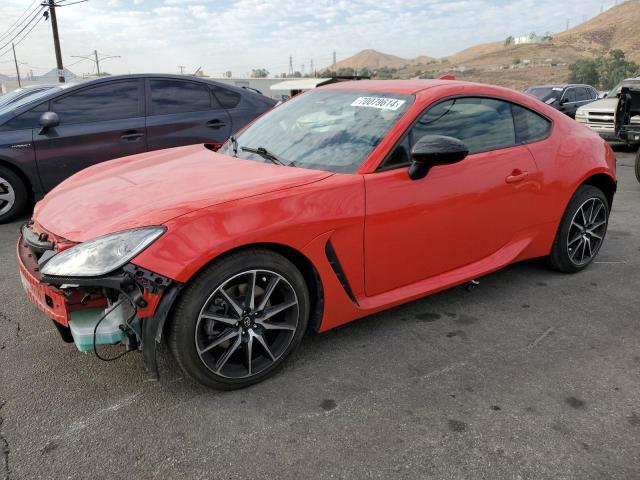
(527, 39)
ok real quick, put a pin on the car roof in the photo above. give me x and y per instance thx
(562, 85)
(406, 87)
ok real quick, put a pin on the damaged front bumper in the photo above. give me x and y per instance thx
(151, 294)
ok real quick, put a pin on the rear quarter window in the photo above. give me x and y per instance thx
(530, 127)
(227, 98)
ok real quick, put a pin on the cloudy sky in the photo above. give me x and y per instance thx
(221, 35)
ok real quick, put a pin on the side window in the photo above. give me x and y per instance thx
(111, 101)
(227, 98)
(530, 127)
(399, 155)
(570, 95)
(177, 96)
(481, 123)
(583, 94)
(28, 119)
(593, 94)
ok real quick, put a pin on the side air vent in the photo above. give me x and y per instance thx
(337, 269)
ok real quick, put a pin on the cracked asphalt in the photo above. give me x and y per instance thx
(532, 375)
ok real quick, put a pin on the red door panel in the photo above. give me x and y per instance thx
(456, 215)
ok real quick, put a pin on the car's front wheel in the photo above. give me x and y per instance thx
(13, 195)
(235, 324)
(582, 230)
(638, 165)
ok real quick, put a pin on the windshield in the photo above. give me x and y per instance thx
(545, 93)
(625, 83)
(324, 130)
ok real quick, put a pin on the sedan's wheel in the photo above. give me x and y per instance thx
(581, 231)
(637, 169)
(13, 195)
(240, 318)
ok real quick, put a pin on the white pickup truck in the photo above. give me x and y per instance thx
(600, 115)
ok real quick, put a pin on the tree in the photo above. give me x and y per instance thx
(614, 68)
(584, 71)
(259, 73)
(532, 36)
(516, 61)
(604, 71)
(385, 73)
(508, 41)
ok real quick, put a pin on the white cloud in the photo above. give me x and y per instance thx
(156, 35)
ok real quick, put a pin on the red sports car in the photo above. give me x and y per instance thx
(342, 202)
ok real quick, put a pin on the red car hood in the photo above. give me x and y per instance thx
(152, 188)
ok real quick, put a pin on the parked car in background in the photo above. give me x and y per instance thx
(600, 115)
(53, 136)
(23, 93)
(566, 98)
(344, 201)
(628, 119)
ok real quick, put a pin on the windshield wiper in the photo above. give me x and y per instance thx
(267, 155)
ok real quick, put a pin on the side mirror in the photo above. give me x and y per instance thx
(432, 150)
(48, 120)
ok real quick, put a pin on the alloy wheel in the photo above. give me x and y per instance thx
(587, 230)
(7, 196)
(247, 323)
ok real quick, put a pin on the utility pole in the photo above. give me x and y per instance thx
(181, 67)
(334, 60)
(15, 59)
(290, 65)
(95, 54)
(312, 72)
(95, 58)
(56, 40)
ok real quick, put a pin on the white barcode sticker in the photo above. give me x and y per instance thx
(378, 102)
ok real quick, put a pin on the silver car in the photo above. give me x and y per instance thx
(600, 115)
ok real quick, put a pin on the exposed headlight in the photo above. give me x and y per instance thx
(102, 255)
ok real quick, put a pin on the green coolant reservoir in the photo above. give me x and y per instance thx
(83, 322)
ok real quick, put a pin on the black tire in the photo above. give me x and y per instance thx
(564, 255)
(14, 184)
(187, 327)
(637, 169)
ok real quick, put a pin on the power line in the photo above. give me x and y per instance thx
(23, 37)
(19, 19)
(23, 28)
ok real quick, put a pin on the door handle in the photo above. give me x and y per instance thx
(131, 137)
(215, 124)
(517, 176)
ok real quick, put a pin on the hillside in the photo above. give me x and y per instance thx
(618, 27)
(519, 66)
(372, 60)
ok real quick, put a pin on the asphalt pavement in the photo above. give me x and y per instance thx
(532, 375)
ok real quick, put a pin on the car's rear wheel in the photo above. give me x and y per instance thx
(582, 230)
(13, 195)
(235, 324)
(638, 165)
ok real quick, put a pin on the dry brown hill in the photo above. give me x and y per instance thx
(372, 59)
(618, 27)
